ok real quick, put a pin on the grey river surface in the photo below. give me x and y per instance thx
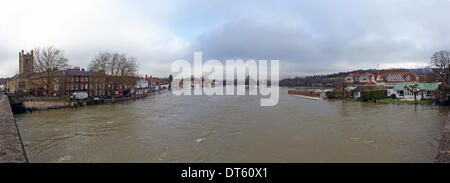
(167, 128)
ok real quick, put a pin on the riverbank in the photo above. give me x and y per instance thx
(11, 147)
(443, 155)
(397, 101)
(24, 105)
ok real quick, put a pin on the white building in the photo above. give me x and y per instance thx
(426, 91)
(141, 86)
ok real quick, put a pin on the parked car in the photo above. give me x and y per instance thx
(95, 98)
(119, 95)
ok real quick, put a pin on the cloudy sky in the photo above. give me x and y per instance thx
(308, 37)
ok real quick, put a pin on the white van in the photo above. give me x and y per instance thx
(79, 96)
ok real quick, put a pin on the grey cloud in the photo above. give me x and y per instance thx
(336, 37)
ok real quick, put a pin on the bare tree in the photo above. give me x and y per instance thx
(340, 87)
(414, 89)
(440, 66)
(116, 68)
(440, 62)
(49, 61)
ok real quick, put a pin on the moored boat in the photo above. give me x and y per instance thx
(305, 94)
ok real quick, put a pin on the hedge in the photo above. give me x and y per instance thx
(335, 95)
(373, 95)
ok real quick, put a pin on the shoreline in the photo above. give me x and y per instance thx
(75, 104)
(443, 155)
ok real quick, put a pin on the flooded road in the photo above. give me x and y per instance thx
(167, 128)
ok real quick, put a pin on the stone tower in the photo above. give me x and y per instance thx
(26, 63)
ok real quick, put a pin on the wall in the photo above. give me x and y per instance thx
(11, 149)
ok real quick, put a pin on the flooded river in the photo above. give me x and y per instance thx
(167, 128)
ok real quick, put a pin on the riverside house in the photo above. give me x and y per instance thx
(355, 83)
(427, 91)
(380, 79)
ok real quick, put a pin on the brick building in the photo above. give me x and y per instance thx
(70, 81)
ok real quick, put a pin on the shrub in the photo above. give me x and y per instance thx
(93, 102)
(373, 95)
(334, 95)
(74, 104)
(80, 103)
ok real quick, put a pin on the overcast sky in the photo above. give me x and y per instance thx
(308, 37)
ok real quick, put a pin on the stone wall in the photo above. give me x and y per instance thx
(11, 149)
(43, 105)
(443, 155)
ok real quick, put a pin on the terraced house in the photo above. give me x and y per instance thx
(70, 81)
(384, 79)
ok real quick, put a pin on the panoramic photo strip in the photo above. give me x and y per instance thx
(225, 91)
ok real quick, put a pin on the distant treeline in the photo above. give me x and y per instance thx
(331, 78)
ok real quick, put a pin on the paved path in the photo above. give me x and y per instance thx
(11, 150)
(444, 145)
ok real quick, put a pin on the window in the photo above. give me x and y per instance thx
(56, 87)
(76, 79)
(429, 93)
(86, 79)
(86, 86)
(76, 87)
(408, 78)
(22, 85)
(401, 93)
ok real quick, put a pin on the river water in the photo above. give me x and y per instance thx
(168, 128)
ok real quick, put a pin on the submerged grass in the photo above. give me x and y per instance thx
(397, 101)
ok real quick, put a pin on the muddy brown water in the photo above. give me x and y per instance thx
(167, 128)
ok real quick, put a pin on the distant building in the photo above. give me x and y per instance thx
(357, 79)
(393, 78)
(383, 79)
(386, 80)
(70, 81)
(20, 83)
(426, 91)
(142, 86)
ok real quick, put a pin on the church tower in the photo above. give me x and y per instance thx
(26, 63)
